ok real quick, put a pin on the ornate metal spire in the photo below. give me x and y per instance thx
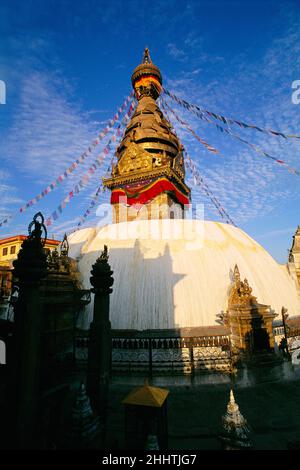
(241, 292)
(31, 264)
(146, 78)
(236, 274)
(101, 278)
(146, 56)
(39, 227)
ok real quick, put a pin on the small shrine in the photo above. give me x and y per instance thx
(84, 427)
(146, 416)
(250, 323)
(235, 431)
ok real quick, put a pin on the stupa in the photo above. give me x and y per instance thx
(173, 275)
(235, 432)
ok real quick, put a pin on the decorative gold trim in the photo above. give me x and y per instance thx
(113, 182)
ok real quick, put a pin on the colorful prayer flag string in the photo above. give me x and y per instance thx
(198, 179)
(209, 147)
(84, 180)
(228, 131)
(79, 160)
(97, 194)
(92, 204)
(226, 120)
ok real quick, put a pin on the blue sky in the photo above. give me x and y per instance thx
(67, 68)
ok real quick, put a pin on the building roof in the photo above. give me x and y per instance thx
(147, 396)
(174, 274)
(17, 238)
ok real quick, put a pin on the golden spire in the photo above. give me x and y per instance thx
(146, 57)
(150, 156)
(146, 78)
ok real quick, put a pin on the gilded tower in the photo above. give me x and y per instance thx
(148, 179)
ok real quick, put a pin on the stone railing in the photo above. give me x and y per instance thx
(163, 355)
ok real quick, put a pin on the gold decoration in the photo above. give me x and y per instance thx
(250, 322)
(133, 159)
(156, 161)
(241, 292)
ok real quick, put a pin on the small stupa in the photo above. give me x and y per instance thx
(235, 432)
(85, 426)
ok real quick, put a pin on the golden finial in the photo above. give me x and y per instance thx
(146, 56)
(236, 274)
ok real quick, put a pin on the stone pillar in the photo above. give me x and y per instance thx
(29, 268)
(99, 354)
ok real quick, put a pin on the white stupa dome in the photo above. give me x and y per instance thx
(177, 273)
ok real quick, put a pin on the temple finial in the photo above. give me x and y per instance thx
(146, 56)
(232, 407)
(236, 274)
(146, 78)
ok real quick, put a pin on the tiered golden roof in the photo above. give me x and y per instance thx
(149, 147)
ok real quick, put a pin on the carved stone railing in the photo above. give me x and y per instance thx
(163, 355)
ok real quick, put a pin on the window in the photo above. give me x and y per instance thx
(4, 251)
(12, 250)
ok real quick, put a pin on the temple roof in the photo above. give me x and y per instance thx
(149, 129)
(148, 126)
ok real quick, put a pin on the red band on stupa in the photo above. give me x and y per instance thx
(146, 194)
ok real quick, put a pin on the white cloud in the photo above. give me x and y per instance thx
(275, 233)
(48, 133)
(8, 194)
(248, 185)
(175, 52)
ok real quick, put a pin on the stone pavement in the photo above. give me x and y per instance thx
(269, 398)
